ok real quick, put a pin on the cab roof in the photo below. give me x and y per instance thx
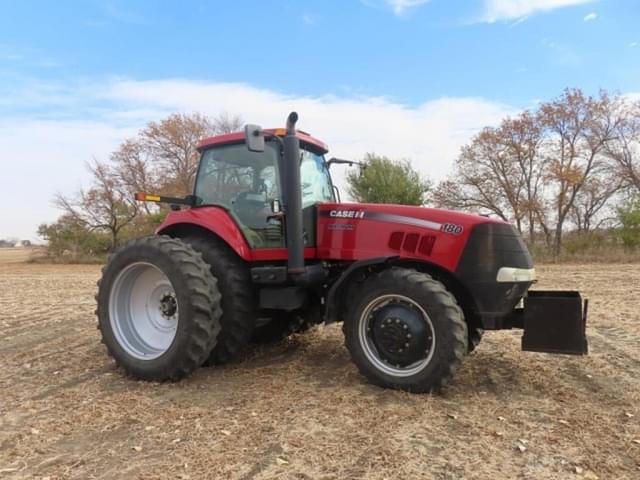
(238, 137)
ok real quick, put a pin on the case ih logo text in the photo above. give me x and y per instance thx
(347, 213)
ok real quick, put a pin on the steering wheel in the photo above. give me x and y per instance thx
(249, 207)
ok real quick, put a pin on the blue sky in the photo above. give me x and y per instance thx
(406, 78)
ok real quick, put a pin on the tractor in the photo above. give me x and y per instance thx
(264, 248)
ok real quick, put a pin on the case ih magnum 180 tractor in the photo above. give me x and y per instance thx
(264, 248)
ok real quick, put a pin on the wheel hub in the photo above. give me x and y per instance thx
(168, 305)
(400, 334)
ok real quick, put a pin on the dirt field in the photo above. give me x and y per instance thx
(300, 410)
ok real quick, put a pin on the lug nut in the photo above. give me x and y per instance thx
(408, 335)
(406, 345)
(397, 320)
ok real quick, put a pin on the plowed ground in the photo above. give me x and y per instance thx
(299, 409)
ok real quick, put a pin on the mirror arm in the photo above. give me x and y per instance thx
(273, 136)
(341, 161)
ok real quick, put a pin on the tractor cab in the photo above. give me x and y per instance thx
(249, 184)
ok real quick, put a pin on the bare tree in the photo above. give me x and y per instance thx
(522, 137)
(593, 199)
(498, 172)
(165, 152)
(560, 165)
(226, 123)
(162, 158)
(624, 147)
(134, 171)
(578, 129)
(172, 144)
(104, 206)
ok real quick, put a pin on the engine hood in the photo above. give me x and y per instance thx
(429, 218)
(354, 231)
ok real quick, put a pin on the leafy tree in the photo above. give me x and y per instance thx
(69, 236)
(383, 180)
(630, 225)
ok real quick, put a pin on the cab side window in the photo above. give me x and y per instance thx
(245, 183)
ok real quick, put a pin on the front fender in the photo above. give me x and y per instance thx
(332, 306)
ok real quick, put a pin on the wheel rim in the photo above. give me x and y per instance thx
(143, 311)
(396, 335)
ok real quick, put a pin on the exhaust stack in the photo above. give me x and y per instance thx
(293, 198)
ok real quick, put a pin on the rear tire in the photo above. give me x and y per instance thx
(239, 305)
(405, 331)
(158, 308)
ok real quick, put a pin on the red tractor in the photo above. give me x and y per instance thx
(264, 248)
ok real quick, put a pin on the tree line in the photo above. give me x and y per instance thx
(161, 158)
(570, 165)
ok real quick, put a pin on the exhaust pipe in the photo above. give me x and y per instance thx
(293, 198)
(301, 274)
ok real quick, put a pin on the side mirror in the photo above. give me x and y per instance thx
(254, 136)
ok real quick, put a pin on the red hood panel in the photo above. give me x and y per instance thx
(355, 231)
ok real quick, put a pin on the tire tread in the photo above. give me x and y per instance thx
(204, 304)
(437, 296)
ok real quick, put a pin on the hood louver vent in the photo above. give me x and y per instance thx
(412, 243)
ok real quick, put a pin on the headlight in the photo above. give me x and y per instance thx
(511, 274)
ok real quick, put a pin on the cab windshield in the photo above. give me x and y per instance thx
(315, 180)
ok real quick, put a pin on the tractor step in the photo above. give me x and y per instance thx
(555, 322)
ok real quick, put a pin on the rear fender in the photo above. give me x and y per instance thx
(211, 220)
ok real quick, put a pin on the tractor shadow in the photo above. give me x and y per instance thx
(319, 357)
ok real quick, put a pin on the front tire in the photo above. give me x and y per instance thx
(405, 331)
(158, 308)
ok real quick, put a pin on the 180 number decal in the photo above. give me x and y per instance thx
(452, 228)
